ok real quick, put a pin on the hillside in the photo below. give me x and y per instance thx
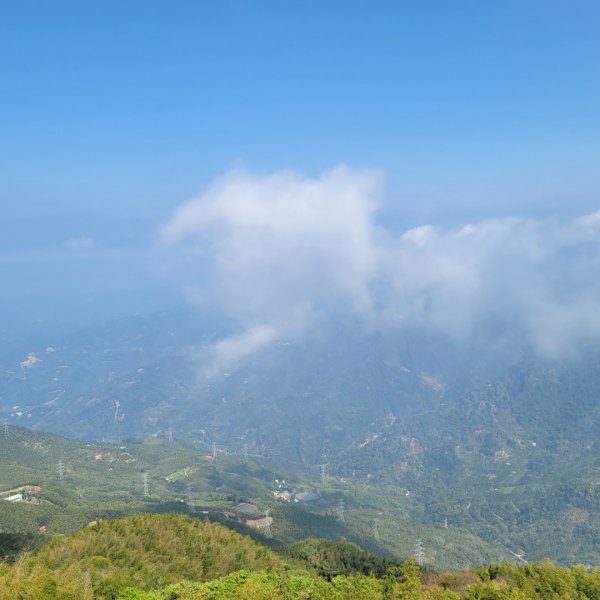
(516, 461)
(147, 551)
(454, 441)
(538, 582)
(103, 480)
(171, 557)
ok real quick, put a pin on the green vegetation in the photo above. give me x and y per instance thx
(13, 544)
(105, 480)
(328, 558)
(102, 481)
(144, 550)
(485, 457)
(504, 582)
(174, 557)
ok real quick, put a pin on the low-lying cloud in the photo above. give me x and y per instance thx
(280, 252)
(228, 352)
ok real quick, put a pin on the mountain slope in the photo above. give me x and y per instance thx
(143, 550)
(453, 435)
(165, 557)
(101, 481)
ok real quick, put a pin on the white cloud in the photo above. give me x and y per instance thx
(418, 235)
(283, 248)
(227, 353)
(281, 251)
(591, 221)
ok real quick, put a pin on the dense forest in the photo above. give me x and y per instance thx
(169, 557)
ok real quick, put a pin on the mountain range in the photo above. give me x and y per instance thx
(469, 436)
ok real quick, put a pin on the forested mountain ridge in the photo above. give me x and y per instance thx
(411, 427)
(150, 551)
(173, 557)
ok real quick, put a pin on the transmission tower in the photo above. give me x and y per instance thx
(214, 450)
(6, 430)
(189, 490)
(169, 434)
(341, 510)
(446, 522)
(323, 473)
(245, 451)
(117, 406)
(145, 484)
(60, 469)
(267, 530)
(420, 552)
(376, 529)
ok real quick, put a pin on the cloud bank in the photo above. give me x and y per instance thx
(279, 252)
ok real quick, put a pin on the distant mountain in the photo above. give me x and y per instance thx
(295, 399)
(453, 434)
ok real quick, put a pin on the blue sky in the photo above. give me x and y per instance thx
(112, 114)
